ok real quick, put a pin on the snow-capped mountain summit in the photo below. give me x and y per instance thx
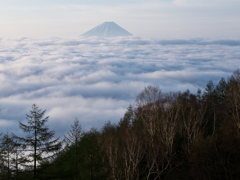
(107, 29)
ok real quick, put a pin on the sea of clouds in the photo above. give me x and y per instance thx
(95, 79)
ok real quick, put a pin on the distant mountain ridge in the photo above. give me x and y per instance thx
(107, 29)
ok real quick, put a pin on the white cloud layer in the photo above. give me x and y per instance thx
(95, 80)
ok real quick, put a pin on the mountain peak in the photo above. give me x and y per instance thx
(107, 29)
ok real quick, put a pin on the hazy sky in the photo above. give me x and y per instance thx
(145, 18)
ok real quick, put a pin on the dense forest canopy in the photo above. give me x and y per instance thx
(173, 135)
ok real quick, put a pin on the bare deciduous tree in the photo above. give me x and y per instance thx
(158, 116)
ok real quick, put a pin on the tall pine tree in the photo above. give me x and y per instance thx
(73, 139)
(38, 143)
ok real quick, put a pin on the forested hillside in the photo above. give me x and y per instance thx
(173, 135)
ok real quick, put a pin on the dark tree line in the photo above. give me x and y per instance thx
(174, 135)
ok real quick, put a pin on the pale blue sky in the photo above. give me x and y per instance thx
(145, 18)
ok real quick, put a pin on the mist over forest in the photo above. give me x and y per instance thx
(164, 135)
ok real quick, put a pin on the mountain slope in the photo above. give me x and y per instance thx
(107, 29)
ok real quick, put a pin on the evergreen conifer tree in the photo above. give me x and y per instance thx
(73, 139)
(38, 143)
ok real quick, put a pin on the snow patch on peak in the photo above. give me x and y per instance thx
(107, 29)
